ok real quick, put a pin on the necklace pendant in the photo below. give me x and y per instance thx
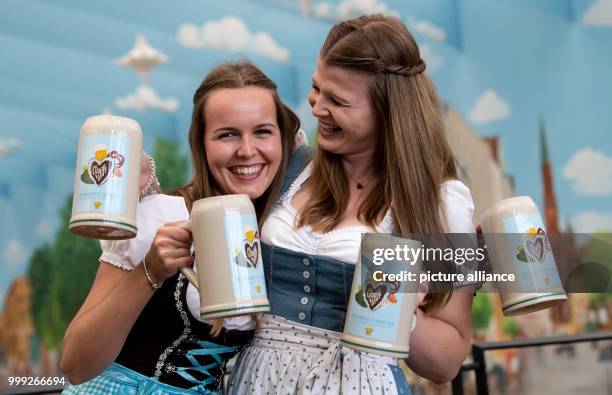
(359, 185)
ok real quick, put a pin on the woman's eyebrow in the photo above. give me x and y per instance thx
(339, 99)
(265, 124)
(331, 94)
(226, 129)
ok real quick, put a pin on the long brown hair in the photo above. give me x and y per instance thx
(202, 184)
(413, 156)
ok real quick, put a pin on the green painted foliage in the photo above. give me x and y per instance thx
(172, 166)
(510, 327)
(482, 311)
(597, 253)
(61, 274)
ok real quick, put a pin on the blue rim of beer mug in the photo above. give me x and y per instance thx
(390, 350)
(107, 221)
(255, 306)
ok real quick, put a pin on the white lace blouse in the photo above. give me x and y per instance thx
(343, 243)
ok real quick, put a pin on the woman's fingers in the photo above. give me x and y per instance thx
(179, 253)
(186, 261)
(170, 250)
(171, 235)
(171, 242)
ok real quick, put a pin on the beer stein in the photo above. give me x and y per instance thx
(380, 312)
(105, 191)
(230, 275)
(517, 243)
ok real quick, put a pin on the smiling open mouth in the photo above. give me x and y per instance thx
(247, 171)
(328, 128)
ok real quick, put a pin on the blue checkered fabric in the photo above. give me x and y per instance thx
(119, 380)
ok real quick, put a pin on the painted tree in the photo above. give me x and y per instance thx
(39, 271)
(598, 249)
(61, 274)
(172, 166)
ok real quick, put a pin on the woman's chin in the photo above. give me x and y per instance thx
(330, 146)
(253, 193)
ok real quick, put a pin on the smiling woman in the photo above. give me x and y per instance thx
(139, 329)
(242, 139)
(382, 165)
(341, 103)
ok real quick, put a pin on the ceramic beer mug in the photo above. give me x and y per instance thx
(230, 275)
(380, 313)
(106, 179)
(517, 243)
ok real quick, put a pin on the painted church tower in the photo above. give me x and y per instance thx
(551, 216)
(560, 313)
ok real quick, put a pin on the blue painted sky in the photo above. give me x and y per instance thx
(549, 58)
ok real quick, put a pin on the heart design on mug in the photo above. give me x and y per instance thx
(99, 171)
(252, 252)
(536, 249)
(374, 296)
(542, 235)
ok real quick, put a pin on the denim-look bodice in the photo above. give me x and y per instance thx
(309, 289)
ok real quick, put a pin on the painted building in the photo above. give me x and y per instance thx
(17, 328)
(480, 160)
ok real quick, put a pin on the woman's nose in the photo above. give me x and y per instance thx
(246, 148)
(318, 107)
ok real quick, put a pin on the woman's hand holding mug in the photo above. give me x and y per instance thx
(170, 252)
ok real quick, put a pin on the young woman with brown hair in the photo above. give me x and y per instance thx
(382, 165)
(141, 317)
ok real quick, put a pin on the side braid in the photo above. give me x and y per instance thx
(406, 71)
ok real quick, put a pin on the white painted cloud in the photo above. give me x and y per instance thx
(231, 34)
(188, 36)
(348, 9)
(263, 43)
(427, 29)
(598, 14)
(146, 99)
(433, 61)
(430, 30)
(592, 221)
(15, 253)
(590, 172)
(324, 11)
(489, 107)
(43, 229)
(228, 34)
(7, 145)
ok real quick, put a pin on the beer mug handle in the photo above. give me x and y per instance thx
(187, 271)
